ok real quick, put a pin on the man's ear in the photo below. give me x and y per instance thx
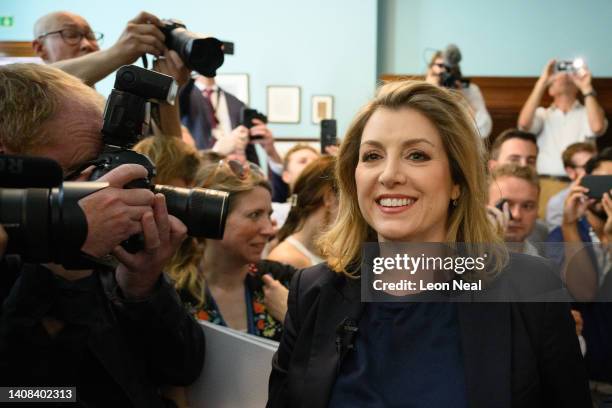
(39, 49)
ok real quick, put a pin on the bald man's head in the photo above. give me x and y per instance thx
(56, 37)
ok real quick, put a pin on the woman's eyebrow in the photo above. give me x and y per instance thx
(405, 143)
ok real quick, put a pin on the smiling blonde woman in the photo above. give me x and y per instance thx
(412, 169)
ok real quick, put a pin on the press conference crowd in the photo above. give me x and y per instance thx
(418, 163)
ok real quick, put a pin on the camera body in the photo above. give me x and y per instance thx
(569, 66)
(565, 66)
(203, 211)
(452, 81)
(202, 54)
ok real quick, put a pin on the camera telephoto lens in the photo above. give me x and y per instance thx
(202, 210)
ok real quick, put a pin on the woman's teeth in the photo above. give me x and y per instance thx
(395, 202)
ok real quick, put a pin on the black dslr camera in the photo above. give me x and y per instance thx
(40, 213)
(203, 211)
(199, 53)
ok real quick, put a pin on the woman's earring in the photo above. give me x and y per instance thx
(455, 202)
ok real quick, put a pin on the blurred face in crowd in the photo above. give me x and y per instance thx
(296, 163)
(519, 151)
(562, 84)
(604, 168)
(522, 199)
(438, 66)
(75, 39)
(435, 70)
(73, 136)
(579, 159)
(248, 226)
(403, 179)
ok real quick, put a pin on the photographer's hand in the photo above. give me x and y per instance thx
(582, 79)
(595, 113)
(114, 214)
(141, 36)
(547, 72)
(499, 219)
(527, 114)
(171, 64)
(235, 142)
(266, 140)
(575, 204)
(138, 273)
(606, 202)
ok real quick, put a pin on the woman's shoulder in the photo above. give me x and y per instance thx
(289, 254)
(307, 284)
(317, 276)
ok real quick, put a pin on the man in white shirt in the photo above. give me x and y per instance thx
(566, 121)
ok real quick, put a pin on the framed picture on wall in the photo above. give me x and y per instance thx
(322, 108)
(236, 84)
(283, 104)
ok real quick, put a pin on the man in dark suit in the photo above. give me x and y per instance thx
(212, 115)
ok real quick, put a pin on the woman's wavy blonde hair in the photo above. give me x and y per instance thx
(185, 265)
(467, 222)
(173, 158)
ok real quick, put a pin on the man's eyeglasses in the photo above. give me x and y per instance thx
(441, 66)
(73, 36)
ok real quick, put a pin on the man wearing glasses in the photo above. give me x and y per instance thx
(62, 35)
(574, 159)
(67, 41)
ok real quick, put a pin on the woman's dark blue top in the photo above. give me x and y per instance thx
(406, 355)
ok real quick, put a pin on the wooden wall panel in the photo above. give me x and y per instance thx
(504, 97)
(16, 49)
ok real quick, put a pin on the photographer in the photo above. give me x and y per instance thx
(66, 41)
(444, 70)
(117, 335)
(566, 121)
